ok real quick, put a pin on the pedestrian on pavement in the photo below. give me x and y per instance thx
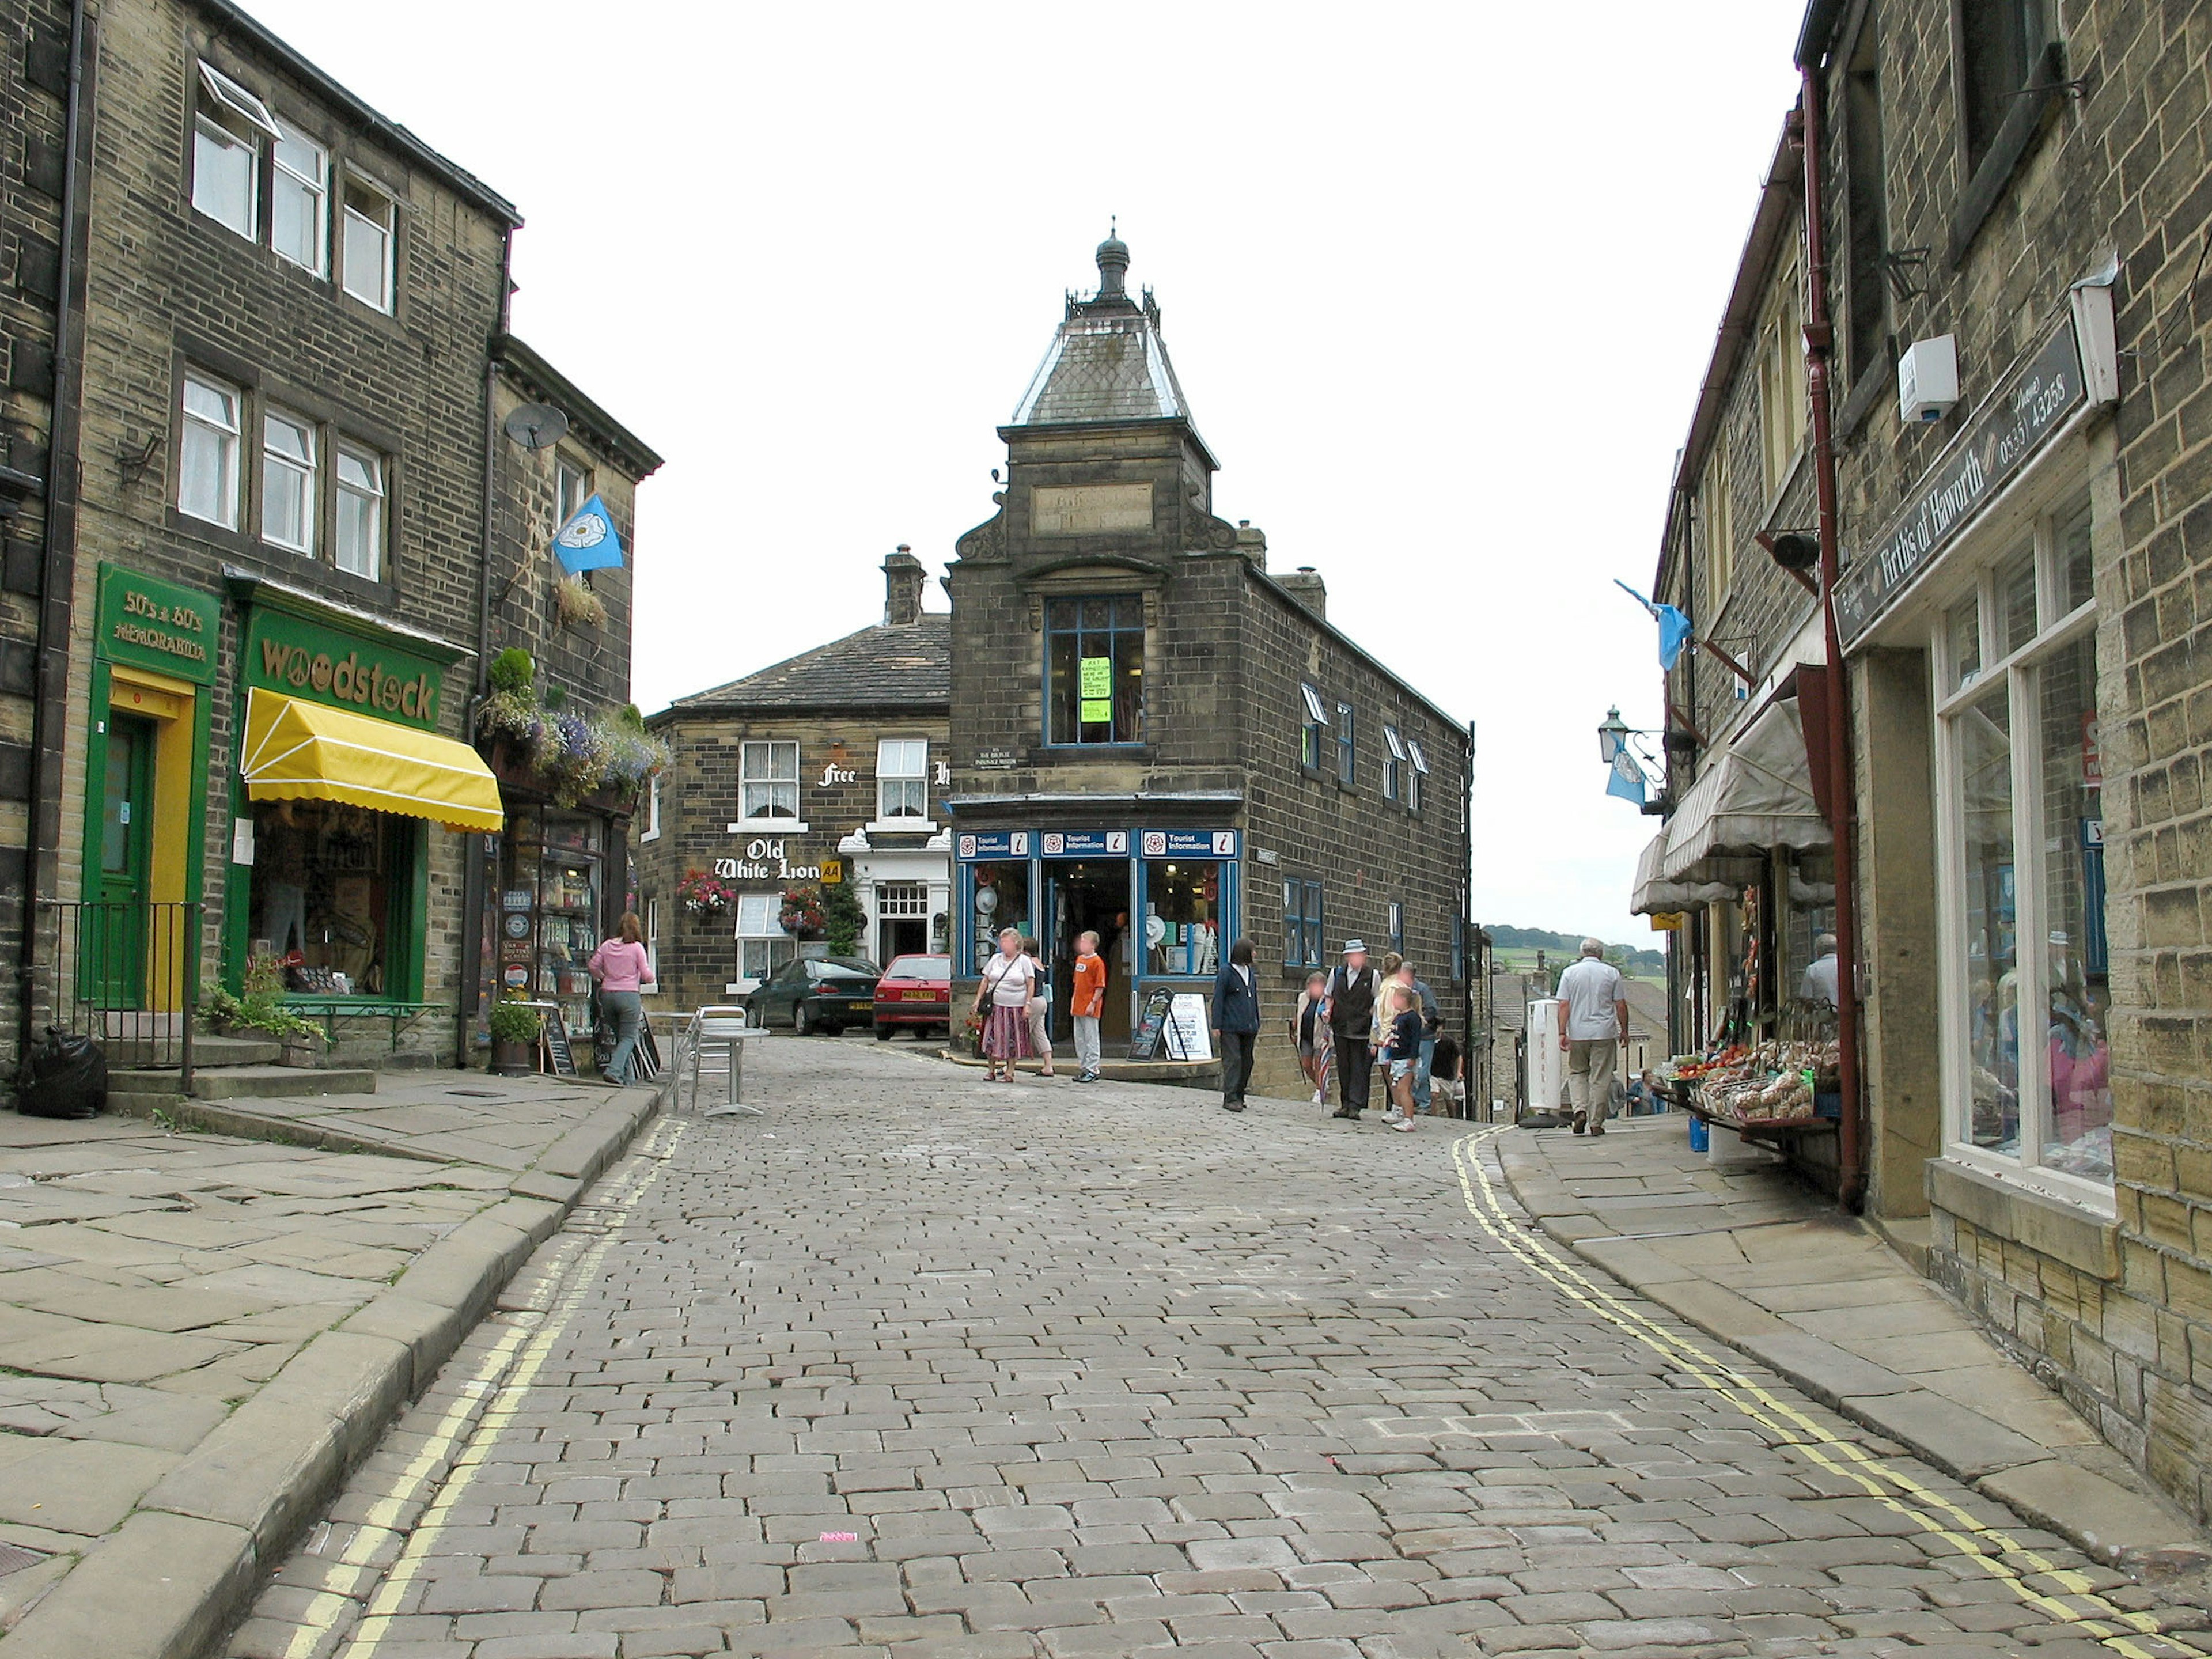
(1236, 1023)
(1819, 984)
(1349, 1004)
(1392, 994)
(1593, 1005)
(1431, 1023)
(1642, 1095)
(1086, 1003)
(1040, 1005)
(622, 968)
(1002, 998)
(1403, 1052)
(1309, 1032)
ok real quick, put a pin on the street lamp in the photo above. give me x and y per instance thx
(1612, 736)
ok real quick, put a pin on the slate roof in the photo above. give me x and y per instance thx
(908, 666)
(1108, 363)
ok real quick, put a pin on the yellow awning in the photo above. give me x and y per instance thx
(300, 750)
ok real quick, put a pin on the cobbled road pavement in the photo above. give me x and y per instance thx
(921, 1365)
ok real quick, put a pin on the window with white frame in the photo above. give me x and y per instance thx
(1394, 762)
(1313, 732)
(768, 780)
(371, 226)
(2021, 836)
(207, 451)
(651, 830)
(901, 901)
(762, 945)
(572, 487)
(299, 200)
(360, 511)
(1418, 777)
(229, 127)
(902, 779)
(1397, 927)
(1782, 397)
(653, 940)
(288, 481)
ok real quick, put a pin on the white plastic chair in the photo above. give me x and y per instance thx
(713, 1045)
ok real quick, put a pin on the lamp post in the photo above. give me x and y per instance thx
(1612, 736)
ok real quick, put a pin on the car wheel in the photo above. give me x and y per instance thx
(883, 1034)
(802, 1022)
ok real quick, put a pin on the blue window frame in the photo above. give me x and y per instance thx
(1302, 923)
(1314, 732)
(1094, 670)
(1347, 758)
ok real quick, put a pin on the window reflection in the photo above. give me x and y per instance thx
(1992, 946)
(2078, 1060)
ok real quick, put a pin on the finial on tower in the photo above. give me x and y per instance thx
(1113, 259)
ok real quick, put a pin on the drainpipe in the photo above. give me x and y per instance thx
(1819, 336)
(473, 876)
(1470, 940)
(57, 554)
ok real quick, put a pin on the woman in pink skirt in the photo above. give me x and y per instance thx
(1003, 999)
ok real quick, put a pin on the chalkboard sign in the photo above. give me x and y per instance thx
(645, 1059)
(554, 1052)
(1146, 1042)
(1187, 1037)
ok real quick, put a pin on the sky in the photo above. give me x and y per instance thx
(1440, 282)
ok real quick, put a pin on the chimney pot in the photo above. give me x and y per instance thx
(903, 579)
(1305, 586)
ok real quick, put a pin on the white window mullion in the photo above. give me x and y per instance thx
(1953, 1024)
(2031, 916)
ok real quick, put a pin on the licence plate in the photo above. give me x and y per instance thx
(920, 996)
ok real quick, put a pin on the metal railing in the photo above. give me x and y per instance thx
(125, 973)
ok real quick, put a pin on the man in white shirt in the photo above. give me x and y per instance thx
(1819, 983)
(1593, 1024)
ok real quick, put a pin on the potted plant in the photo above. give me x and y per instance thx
(303, 1041)
(514, 1029)
(702, 894)
(801, 915)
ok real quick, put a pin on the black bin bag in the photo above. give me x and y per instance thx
(66, 1076)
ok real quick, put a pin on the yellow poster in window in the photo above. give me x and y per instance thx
(1098, 711)
(1097, 681)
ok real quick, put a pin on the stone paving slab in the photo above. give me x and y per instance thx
(917, 1365)
(1772, 1269)
(167, 1306)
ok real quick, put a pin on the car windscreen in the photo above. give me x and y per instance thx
(920, 968)
(844, 968)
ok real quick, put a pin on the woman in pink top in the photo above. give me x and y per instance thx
(621, 966)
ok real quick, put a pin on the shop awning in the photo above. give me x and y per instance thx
(300, 750)
(1756, 797)
(1710, 881)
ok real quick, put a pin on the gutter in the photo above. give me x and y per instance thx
(580, 409)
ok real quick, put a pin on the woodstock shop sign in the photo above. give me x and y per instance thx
(766, 860)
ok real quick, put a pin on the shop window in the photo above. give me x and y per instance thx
(1347, 753)
(762, 945)
(1182, 919)
(1314, 734)
(768, 782)
(288, 482)
(1095, 669)
(1001, 900)
(1394, 762)
(370, 222)
(2022, 780)
(207, 458)
(325, 878)
(228, 130)
(1999, 43)
(1416, 779)
(361, 511)
(1302, 924)
(902, 779)
(299, 200)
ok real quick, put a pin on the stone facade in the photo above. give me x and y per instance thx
(2028, 184)
(1108, 501)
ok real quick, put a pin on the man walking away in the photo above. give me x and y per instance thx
(1593, 1024)
(1086, 1003)
(1236, 1023)
(1351, 1015)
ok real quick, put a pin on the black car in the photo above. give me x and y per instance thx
(818, 994)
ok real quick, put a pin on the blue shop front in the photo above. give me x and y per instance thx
(1165, 903)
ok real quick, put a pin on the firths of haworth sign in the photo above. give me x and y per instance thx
(2033, 402)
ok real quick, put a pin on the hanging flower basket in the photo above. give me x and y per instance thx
(801, 916)
(702, 894)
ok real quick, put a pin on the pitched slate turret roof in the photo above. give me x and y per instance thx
(1108, 363)
(907, 667)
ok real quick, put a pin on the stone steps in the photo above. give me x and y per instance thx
(141, 1052)
(236, 1082)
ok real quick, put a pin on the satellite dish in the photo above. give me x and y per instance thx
(536, 426)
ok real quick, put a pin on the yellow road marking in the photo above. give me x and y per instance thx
(1935, 1514)
(382, 1522)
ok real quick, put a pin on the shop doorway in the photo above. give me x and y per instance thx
(114, 950)
(1086, 897)
(902, 919)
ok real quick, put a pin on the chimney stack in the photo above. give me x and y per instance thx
(904, 578)
(1252, 543)
(1305, 586)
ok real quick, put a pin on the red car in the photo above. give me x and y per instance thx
(915, 992)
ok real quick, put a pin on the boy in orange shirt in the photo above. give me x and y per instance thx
(1087, 1003)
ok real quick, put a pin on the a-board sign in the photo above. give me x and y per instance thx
(1189, 1037)
(1146, 1042)
(553, 1041)
(645, 1059)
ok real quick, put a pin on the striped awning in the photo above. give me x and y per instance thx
(299, 751)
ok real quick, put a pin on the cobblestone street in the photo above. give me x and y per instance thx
(921, 1366)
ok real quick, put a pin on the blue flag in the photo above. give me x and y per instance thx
(588, 541)
(1674, 626)
(1627, 778)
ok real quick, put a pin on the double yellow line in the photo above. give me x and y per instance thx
(1990, 1548)
(519, 1355)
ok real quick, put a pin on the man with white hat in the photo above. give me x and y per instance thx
(1348, 1005)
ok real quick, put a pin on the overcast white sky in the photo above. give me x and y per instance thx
(1439, 282)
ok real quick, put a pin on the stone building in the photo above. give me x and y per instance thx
(1156, 738)
(2017, 191)
(829, 766)
(273, 461)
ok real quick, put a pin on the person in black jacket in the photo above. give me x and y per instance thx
(1236, 1023)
